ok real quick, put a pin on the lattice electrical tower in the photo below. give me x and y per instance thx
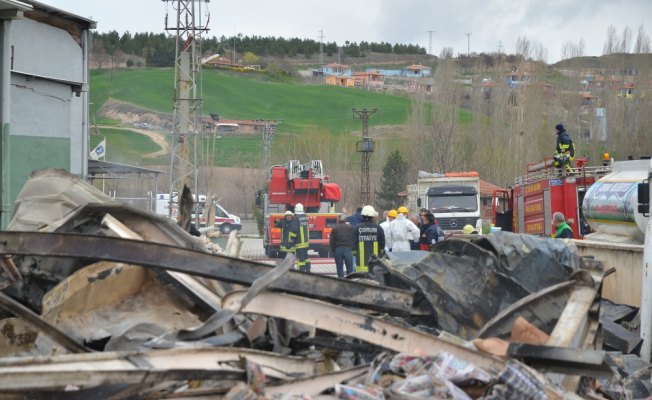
(366, 147)
(269, 130)
(186, 121)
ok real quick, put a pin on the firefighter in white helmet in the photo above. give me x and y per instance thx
(286, 225)
(368, 239)
(301, 238)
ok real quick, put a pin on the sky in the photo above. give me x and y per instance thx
(493, 25)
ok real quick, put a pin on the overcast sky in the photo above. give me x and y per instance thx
(490, 22)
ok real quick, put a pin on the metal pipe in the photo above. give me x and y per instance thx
(5, 118)
(646, 287)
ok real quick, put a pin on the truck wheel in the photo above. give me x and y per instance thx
(226, 228)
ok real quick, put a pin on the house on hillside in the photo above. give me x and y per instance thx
(335, 69)
(45, 78)
(369, 79)
(237, 126)
(415, 86)
(217, 61)
(516, 78)
(340, 80)
(416, 71)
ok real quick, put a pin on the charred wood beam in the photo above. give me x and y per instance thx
(137, 368)
(228, 269)
(314, 385)
(562, 360)
(348, 322)
(19, 310)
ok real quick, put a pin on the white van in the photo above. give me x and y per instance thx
(224, 220)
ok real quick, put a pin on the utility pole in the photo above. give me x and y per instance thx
(366, 147)
(321, 47)
(269, 130)
(430, 41)
(186, 119)
(468, 44)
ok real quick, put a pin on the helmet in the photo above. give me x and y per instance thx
(298, 208)
(392, 213)
(403, 210)
(368, 211)
(288, 213)
(469, 229)
(559, 128)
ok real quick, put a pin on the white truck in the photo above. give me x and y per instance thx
(453, 197)
(224, 220)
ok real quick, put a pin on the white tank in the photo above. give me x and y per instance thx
(611, 205)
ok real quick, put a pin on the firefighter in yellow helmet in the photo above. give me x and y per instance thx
(301, 238)
(368, 239)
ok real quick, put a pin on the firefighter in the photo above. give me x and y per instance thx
(368, 239)
(285, 224)
(563, 231)
(301, 238)
(564, 150)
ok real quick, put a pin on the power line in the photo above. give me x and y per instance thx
(430, 41)
(321, 47)
(468, 43)
(366, 147)
(186, 117)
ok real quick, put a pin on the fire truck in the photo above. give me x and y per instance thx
(300, 183)
(529, 205)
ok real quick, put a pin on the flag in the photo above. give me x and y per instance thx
(99, 150)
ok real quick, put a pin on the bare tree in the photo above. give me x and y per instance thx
(626, 40)
(523, 47)
(642, 41)
(446, 53)
(611, 44)
(539, 52)
(573, 50)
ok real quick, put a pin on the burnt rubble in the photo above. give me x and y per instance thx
(100, 300)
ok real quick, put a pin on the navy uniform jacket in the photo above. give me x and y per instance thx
(368, 239)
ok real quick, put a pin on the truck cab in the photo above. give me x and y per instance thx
(452, 197)
(454, 206)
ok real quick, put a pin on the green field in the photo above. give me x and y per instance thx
(301, 107)
(128, 147)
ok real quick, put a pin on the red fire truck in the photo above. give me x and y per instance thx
(530, 204)
(306, 184)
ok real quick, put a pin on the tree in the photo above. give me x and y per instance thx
(611, 44)
(392, 182)
(250, 58)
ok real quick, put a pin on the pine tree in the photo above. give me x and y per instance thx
(392, 182)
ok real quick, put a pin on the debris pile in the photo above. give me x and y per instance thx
(100, 300)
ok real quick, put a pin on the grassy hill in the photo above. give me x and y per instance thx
(309, 112)
(301, 107)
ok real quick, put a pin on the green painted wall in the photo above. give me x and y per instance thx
(29, 153)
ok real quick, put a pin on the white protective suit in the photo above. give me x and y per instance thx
(388, 238)
(402, 230)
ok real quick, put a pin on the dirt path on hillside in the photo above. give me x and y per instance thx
(156, 137)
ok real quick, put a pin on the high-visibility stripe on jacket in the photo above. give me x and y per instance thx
(300, 232)
(286, 230)
(368, 239)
